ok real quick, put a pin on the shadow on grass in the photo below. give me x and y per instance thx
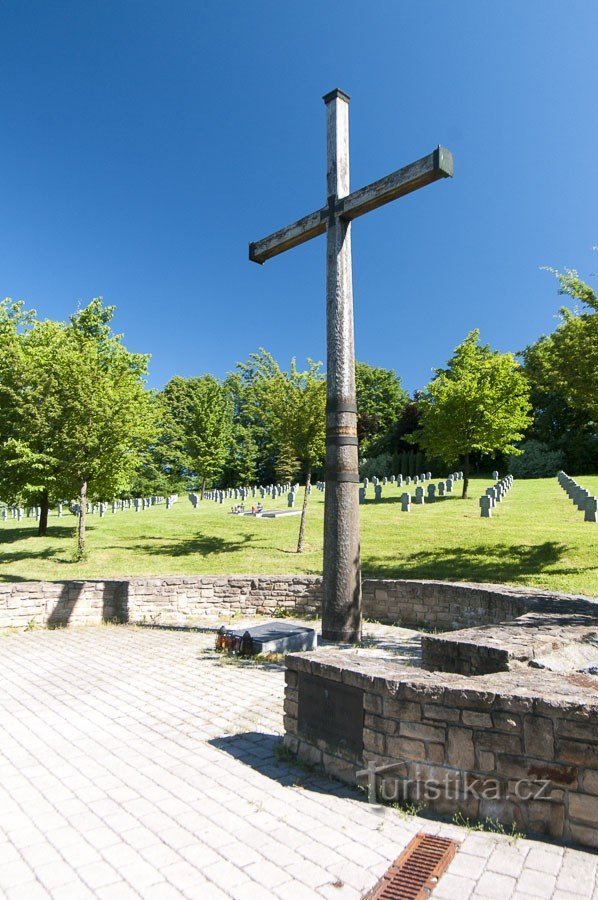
(48, 553)
(202, 544)
(12, 535)
(499, 563)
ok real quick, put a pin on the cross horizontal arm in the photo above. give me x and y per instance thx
(438, 164)
(303, 230)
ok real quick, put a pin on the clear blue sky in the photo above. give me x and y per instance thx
(146, 142)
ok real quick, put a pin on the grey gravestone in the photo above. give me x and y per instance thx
(405, 503)
(495, 475)
(449, 485)
(431, 493)
(362, 495)
(419, 495)
(291, 500)
(378, 492)
(441, 488)
(590, 510)
(485, 507)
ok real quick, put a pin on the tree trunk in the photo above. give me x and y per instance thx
(203, 488)
(465, 476)
(304, 511)
(81, 522)
(43, 514)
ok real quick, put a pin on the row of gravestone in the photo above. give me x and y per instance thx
(581, 497)
(271, 490)
(101, 508)
(494, 495)
(443, 488)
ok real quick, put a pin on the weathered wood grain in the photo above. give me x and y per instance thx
(436, 165)
(303, 230)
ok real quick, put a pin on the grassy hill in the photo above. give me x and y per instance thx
(536, 537)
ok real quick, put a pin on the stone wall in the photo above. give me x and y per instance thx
(182, 599)
(518, 747)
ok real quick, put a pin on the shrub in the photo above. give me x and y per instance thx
(537, 460)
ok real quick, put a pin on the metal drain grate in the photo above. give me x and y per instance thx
(415, 873)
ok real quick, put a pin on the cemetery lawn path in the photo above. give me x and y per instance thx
(536, 537)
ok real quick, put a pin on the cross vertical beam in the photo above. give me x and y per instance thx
(341, 615)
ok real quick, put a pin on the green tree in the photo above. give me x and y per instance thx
(242, 458)
(108, 417)
(200, 415)
(291, 406)
(565, 363)
(27, 465)
(83, 414)
(380, 401)
(480, 402)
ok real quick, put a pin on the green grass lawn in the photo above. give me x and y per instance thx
(536, 537)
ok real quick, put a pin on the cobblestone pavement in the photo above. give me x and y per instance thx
(135, 763)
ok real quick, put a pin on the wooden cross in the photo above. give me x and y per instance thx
(341, 609)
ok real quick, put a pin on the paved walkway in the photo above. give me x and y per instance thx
(135, 763)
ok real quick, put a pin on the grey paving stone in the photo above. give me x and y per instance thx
(134, 763)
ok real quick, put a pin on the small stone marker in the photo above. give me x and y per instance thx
(495, 475)
(441, 488)
(405, 502)
(431, 493)
(377, 492)
(273, 637)
(419, 495)
(362, 495)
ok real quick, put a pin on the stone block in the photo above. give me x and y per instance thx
(372, 703)
(584, 835)
(498, 742)
(590, 782)
(460, 751)
(405, 748)
(440, 713)
(374, 741)
(506, 722)
(579, 753)
(538, 737)
(476, 719)
(421, 731)
(584, 807)
(404, 710)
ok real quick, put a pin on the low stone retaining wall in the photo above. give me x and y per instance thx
(178, 600)
(518, 747)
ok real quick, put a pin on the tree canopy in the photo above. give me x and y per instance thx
(480, 402)
(292, 407)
